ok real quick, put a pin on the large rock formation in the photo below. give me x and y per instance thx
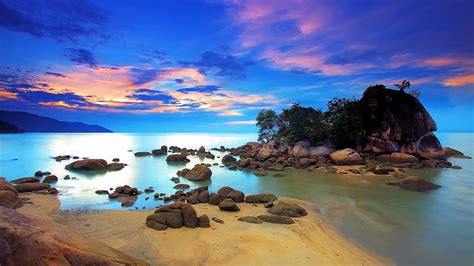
(29, 240)
(397, 122)
(8, 195)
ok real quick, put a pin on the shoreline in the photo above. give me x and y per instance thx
(311, 240)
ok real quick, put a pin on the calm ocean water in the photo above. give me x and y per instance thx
(435, 228)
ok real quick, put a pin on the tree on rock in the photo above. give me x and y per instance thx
(404, 85)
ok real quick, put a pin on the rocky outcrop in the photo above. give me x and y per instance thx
(199, 173)
(287, 209)
(28, 240)
(395, 121)
(176, 215)
(450, 152)
(176, 158)
(346, 157)
(30, 187)
(9, 195)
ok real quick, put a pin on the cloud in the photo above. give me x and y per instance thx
(55, 74)
(81, 56)
(212, 63)
(60, 20)
(209, 89)
(152, 95)
(459, 80)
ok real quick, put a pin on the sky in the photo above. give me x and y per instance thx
(211, 66)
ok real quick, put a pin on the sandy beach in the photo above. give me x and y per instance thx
(310, 241)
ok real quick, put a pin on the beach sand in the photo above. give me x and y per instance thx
(310, 241)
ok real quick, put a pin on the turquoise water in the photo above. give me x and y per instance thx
(435, 228)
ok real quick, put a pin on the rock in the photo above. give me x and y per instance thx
(183, 172)
(159, 152)
(181, 186)
(450, 152)
(127, 203)
(115, 160)
(215, 199)
(142, 154)
(115, 166)
(62, 157)
(176, 158)
(25, 180)
(217, 220)
(53, 191)
(9, 195)
(260, 173)
(203, 221)
(149, 190)
(276, 167)
(29, 187)
(251, 219)
(398, 157)
(202, 149)
(414, 183)
(203, 196)
(346, 157)
(228, 205)
(190, 218)
(39, 173)
(236, 196)
(31, 240)
(457, 167)
(156, 225)
(102, 192)
(278, 175)
(228, 160)
(315, 152)
(88, 165)
(175, 180)
(50, 179)
(275, 219)
(260, 198)
(305, 162)
(199, 173)
(301, 149)
(268, 205)
(127, 190)
(114, 195)
(381, 171)
(287, 209)
(396, 121)
(393, 183)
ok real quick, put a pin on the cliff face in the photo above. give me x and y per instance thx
(397, 122)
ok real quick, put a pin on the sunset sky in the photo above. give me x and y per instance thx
(195, 66)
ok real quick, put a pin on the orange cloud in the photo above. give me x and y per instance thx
(459, 81)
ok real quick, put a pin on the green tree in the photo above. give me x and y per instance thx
(345, 122)
(302, 123)
(268, 124)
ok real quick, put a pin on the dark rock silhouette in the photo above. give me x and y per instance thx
(397, 122)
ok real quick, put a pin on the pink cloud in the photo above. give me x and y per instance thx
(462, 80)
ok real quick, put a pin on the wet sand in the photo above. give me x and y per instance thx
(310, 241)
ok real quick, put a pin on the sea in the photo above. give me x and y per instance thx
(406, 228)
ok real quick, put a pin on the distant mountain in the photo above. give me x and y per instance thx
(35, 123)
(7, 128)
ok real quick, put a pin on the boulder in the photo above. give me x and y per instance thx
(250, 219)
(190, 218)
(102, 192)
(115, 160)
(202, 149)
(429, 146)
(30, 240)
(224, 191)
(88, 165)
(228, 160)
(203, 221)
(25, 180)
(276, 219)
(414, 183)
(9, 195)
(199, 173)
(115, 166)
(265, 152)
(228, 205)
(260, 198)
(215, 199)
(346, 157)
(450, 152)
(62, 157)
(181, 186)
(398, 157)
(30, 187)
(142, 154)
(236, 196)
(301, 149)
(287, 209)
(183, 172)
(50, 179)
(176, 158)
(315, 152)
(276, 167)
(159, 152)
(203, 196)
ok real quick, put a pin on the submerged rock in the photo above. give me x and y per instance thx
(142, 154)
(414, 183)
(199, 173)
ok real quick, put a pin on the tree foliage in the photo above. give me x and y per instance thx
(345, 122)
(302, 123)
(268, 124)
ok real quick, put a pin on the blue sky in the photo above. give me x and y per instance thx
(189, 66)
